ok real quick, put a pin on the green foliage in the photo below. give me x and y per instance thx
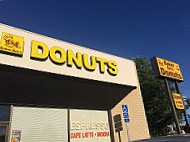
(156, 99)
(188, 103)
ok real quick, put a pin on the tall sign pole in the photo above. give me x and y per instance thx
(165, 69)
(172, 106)
(184, 110)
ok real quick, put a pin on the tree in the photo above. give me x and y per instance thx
(187, 100)
(155, 97)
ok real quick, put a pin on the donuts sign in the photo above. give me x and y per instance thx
(165, 68)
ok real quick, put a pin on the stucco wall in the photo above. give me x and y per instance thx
(138, 127)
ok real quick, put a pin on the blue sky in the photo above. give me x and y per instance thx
(126, 28)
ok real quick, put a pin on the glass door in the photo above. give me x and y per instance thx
(4, 122)
(3, 132)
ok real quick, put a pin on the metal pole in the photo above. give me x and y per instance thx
(128, 132)
(172, 106)
(184, 110)
(111, 126)
(119, 136)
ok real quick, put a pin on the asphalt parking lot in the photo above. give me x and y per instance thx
(176, 138)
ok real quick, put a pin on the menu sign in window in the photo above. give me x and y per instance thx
(89, 125)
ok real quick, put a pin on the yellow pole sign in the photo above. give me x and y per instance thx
(178, 101)
(165, 68)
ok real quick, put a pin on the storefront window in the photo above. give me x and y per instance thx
(4, 113)
(4, 121)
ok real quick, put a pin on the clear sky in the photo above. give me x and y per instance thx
(126, 28)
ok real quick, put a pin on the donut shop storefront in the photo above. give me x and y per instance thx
(55, 91)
